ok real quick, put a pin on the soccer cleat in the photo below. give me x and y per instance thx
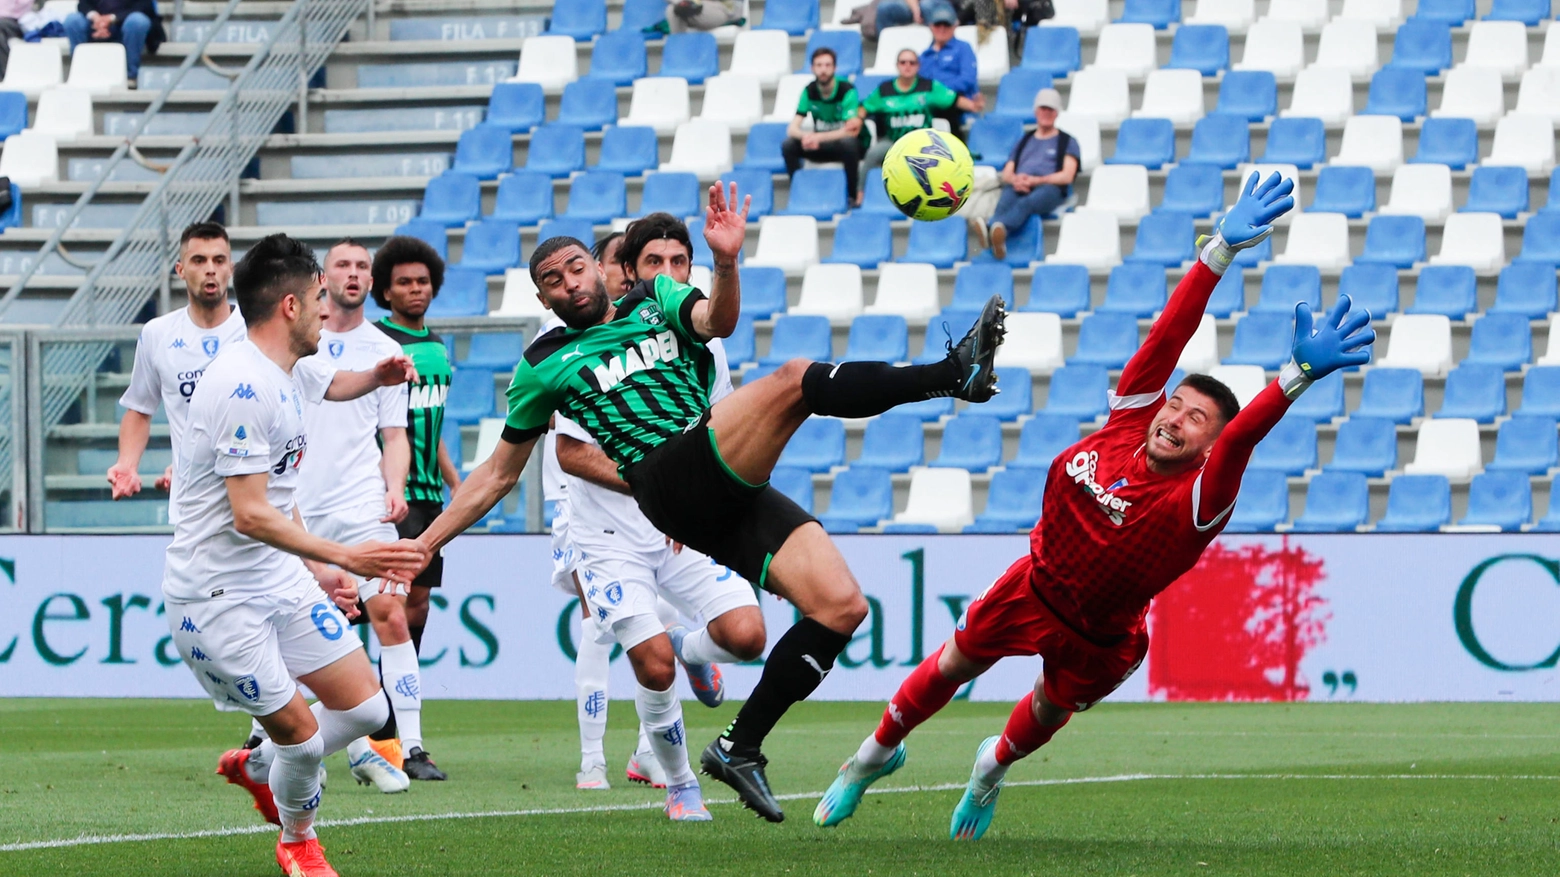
(231, 765)
(389, 750)
(973, 815)
(306, 858)
(976, 353)
(839, 802)
(745, 774)
(685, 803)
(644, 767)
(593, 778)
(419, 766)
(704, 679)
(373, 768)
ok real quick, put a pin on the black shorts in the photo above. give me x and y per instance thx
(419, 515)
(687, 492)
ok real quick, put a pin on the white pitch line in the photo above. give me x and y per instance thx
(92, 840)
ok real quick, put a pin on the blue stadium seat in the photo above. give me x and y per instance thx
(1300, 141)
(1541, 392)
(629, 149)
(1395, 394)
(485, 152)
(1023, 245)
(1016, 400)
(450, 435)
(1250, 94)
(1335, 502)
(1159, 13)
(1323, 401)
(940, 243)
(763, 291)
(1285, 285)
(85, 513)
(1014, 501)
(491, 246)
(578, 229)
(1502, 190)
(671, 192)
(1529, 12)
(1263, 339)
(619, 58)
(516, 106)
(878, 338)
(1289, 447)
(557, 150)
(876, 197)
(740, 344)
(847, 51)
(1105, 339)
(1527, 445)
(763, 148)
(795, 17)
(495, 350)
(1078, 391)
(1450, 12)
(860, 497)
(949, 325)
(589, 103)
(1526, 288)
(1347, 190)
(1502, 499)
(13, 113)
(1541, 238)
(581, 19)
(1367, 445)
(1422, 45)
(1552, 203)
(1417, 504)
(893, 441)
(758, 183)
(640, 14)
(1449, 290)
(970, 441)
(863, 239)
(1148, 142)
(692, 55)
(432, 233)
(1261, 504)
(992, 138)
(817, 446)
(1251, 257)
(1398, 241)
(1053, 50)
(1502, 340)
(818, 192)
(1016, 93)
(1229, 294)
(1397, 91)
(471, 396)
(1043, 437)
(452, 199)
(1165, 239)
(524, 197)
(1371, 287)
(930, 410)
(1059, 289)
(1195, 190)
(1452, 142)
(795, 483)
(598, 196)
(799, 336)
(1201, 47)
(1222, 140)
(1135, 288)
(976, 282)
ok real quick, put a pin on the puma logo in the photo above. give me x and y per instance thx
(572, 353)
(822, 673)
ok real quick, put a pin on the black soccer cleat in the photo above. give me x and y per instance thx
(744, 774)
(977, 352)
(419, 766)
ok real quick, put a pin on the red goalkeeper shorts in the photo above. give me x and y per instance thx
(1009, 619)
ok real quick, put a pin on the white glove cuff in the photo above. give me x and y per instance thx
(1292, 380)
(1217, 254)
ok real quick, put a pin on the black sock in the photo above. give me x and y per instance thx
(866, 389)
(796, 667)
(416, 630)
(388, 731)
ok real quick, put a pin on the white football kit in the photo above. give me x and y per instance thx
(246, 617)
(170, 357)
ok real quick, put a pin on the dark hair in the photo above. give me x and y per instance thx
(552, 245)
(1215, 389)
(275, 267)
(824, 50)
(206, 231)
(600, 249)
(347, 242)
(403, 250)
(653, 227)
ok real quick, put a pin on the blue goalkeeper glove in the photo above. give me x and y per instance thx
(1342, 340)
(1249, 222)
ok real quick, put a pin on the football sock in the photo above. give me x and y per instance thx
(295, 786)
(357, 749)
(258, 765)
(699, 647)
(590, 695)
(403, 684)
(865, 389)
(258, 730)
(338, 728)
(660, 713)
(1022, 736)
(643, 745)
(925, 691)
(796, 667)
(416, 630)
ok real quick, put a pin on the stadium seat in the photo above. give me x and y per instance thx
(1476, 391)
(97, 68)
(1446, 446)
(1276, 46)
(845, 43)
(1323, 402)
(1450, 12)
(1087, 16)
(1448, 290)
(1452, 142)
(1395, 394)
(1476, 240)
(1023, 246)
(1526, 289)
(940, 497)
(660, 102)
(976, 282)
(37, 66)
(1335, 502)
(432, 233)
(1166, 239)
(817, 445)
(1235, 16)
(452, 199)
(1135, 288)
(733, 99)
(818, 192)
(1052, 50)
(1375, 142)
(1201, 353)
(788, 95)
(1526, 445)
(1541, 392)
(1394, 240)
(1539, 93)
(763, 148)
(991, 53)
(580, 19)
(1017, 398)
(1417, 504)
(516, 106)
(590, 104)
(1348, 44)
(1059, 289)
(972, 442)
(1501, 46)
(1036, 343)
(1422, 342)
(525, 197)
(598, 196)
(1350, 191)
(1222, 140)
(1245, 381)
(804, 336)
(1148, 142)
(701, 147)
(1301, 142)
(1526, 141)
(763, 291)
(1397, 91)
(1160, 14)
(878, 338)
(1016, 93)
(1100, 94)
(1261, 504)
(640, 14)
(1529, 12)
(491, 246)
(832, 291)
(471, 396)
(1203, 47)
(1422, 190)
(892, 40)
(1191, 190)
(675, 193)
(495, 350)
(1540, 238)
(1422, 46)
(550, 61)
(13, 113)
(741, 345)
(1078, 391)
(618, 58)
(1249, 94)
(1121, 190)
(1502, 499)
(1325, 94)
(629, 150)
(692, 56)
(1106, 339)
(795, 17)
(1013, 502)
(64, 113)
(1284, 285)
(795, 483)
(939, 243)
(875, 200)
(908, 289)
(556, 150)
(992, 138)
(1309, 14)
(1085, 130)
(759, 184)
(763, 55)
(1263, 339)
(1499, 190)
(1229, 294)
(1317, 239)
(485, 152)
(1043, 437)
(1176, 95)
(1125, 46)
(1472, 93)
(892, 441)
(862, 239)
(860, 497)
(1289, 447)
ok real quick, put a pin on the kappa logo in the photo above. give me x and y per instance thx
(1081, 469)
(210, 343)
(336, 348)
(178, 344)
(571, 354)
(215, 678)
(407, 686)
(601, 614)
(244, 391)
(637, 358)
(248, 687)
(188, 626)
(197, 655)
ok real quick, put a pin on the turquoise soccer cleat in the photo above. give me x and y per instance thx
(973, 815)
(839, 802)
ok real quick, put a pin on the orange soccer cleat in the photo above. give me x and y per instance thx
(306, 858)
(231, 765)
(389, 750)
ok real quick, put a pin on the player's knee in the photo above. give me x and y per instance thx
(745, 639)
(371, 714)
(655, 666)
(845, 614)
(392, 626)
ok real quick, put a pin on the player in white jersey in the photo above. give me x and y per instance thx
(353, 489)
(251, 596)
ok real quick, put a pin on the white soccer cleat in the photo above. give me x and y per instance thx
(593, 778)
(372, 768)
(644, 767)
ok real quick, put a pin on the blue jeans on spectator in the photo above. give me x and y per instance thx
(131, 32)
(892, 13)
(1013, 209)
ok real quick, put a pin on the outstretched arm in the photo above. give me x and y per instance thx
(487, 484)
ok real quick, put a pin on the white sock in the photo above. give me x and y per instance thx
(661, 713)
(403, 683)
(989, 768)
(644, 739)
(698, 647)
(339, 728)
(258, 766)
(872, 753)
(590, 696)
(258, 730)
(295, 785)
(357, 749)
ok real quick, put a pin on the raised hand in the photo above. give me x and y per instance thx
(725, 227)
(1249, 222)
(1342, 340)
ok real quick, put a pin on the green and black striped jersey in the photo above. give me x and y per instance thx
(425, 411)
(632, 382)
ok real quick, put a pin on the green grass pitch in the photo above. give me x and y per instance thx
(1126, 789)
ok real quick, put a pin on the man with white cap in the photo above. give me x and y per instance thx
(1037, 177)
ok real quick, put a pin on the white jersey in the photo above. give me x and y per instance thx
(170, 357)
(342, 470)
(246, 417)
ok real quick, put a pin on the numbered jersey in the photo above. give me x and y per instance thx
(170, 357)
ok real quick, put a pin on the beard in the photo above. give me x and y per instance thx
(589, 314)
(304, 342)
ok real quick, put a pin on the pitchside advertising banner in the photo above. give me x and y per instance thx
(1309, 617)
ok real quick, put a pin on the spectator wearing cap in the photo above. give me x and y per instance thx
(838, 132)
(948, 59)
(893, 13)
(1038, 175)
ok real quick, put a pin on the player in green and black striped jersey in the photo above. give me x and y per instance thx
(634, 373)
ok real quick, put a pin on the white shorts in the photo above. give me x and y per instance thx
(565, 557)
(353, 526)
(247, 652)
(622, 588)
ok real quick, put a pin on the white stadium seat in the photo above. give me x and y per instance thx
(734, 99)
(991, 57)
(1274, 45)
(1375, 142)
(1235, 15)
(1121, 189)
(1473, 239)
(549, 61)
(1447, 446)
(787, 242)
(1034, 341)
(1245, 381)
(1419, 341)
(64, 113)
(764, 55)
(1539, 94)
(1472, 93)
(1551, 55)
(700, 277)
(1525, 141)
(831, 290)
(702, 147)
(1320, 239)
(1501, 46)
(1422, 190)
(1385, 14)
(1325, 93)
(660, 102)
(1086, 131)
(842, 11)
(1176, 95)
(98, 67)
(940, 497)
(1088, 237)
(33, 67)
(1350, 45)
(1101, 94)
(1201, 353)
(908, 289)
(788, 94)
(1309, 14)
(30, 159)
(1128, 48)
(891, 40)
(520, 296)
(489, 431)
(1088, 16)
(1552, 347)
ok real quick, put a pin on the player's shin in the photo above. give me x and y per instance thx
(925, 691)
(661, 714)
(295, 786)
(1021, 737)
(403, 685)
(796, 666)
(866, 389)
(590, 687)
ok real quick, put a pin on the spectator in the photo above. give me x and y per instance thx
(135, 23)
(951, 61)
(837, 133)
(892, 13)
(686, 15)
(11, 12)
(1037, 177)
(904, 104)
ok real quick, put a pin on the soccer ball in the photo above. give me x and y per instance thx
(928, 174)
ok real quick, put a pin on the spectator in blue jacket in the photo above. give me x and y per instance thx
(951, 61)
(135, 23)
